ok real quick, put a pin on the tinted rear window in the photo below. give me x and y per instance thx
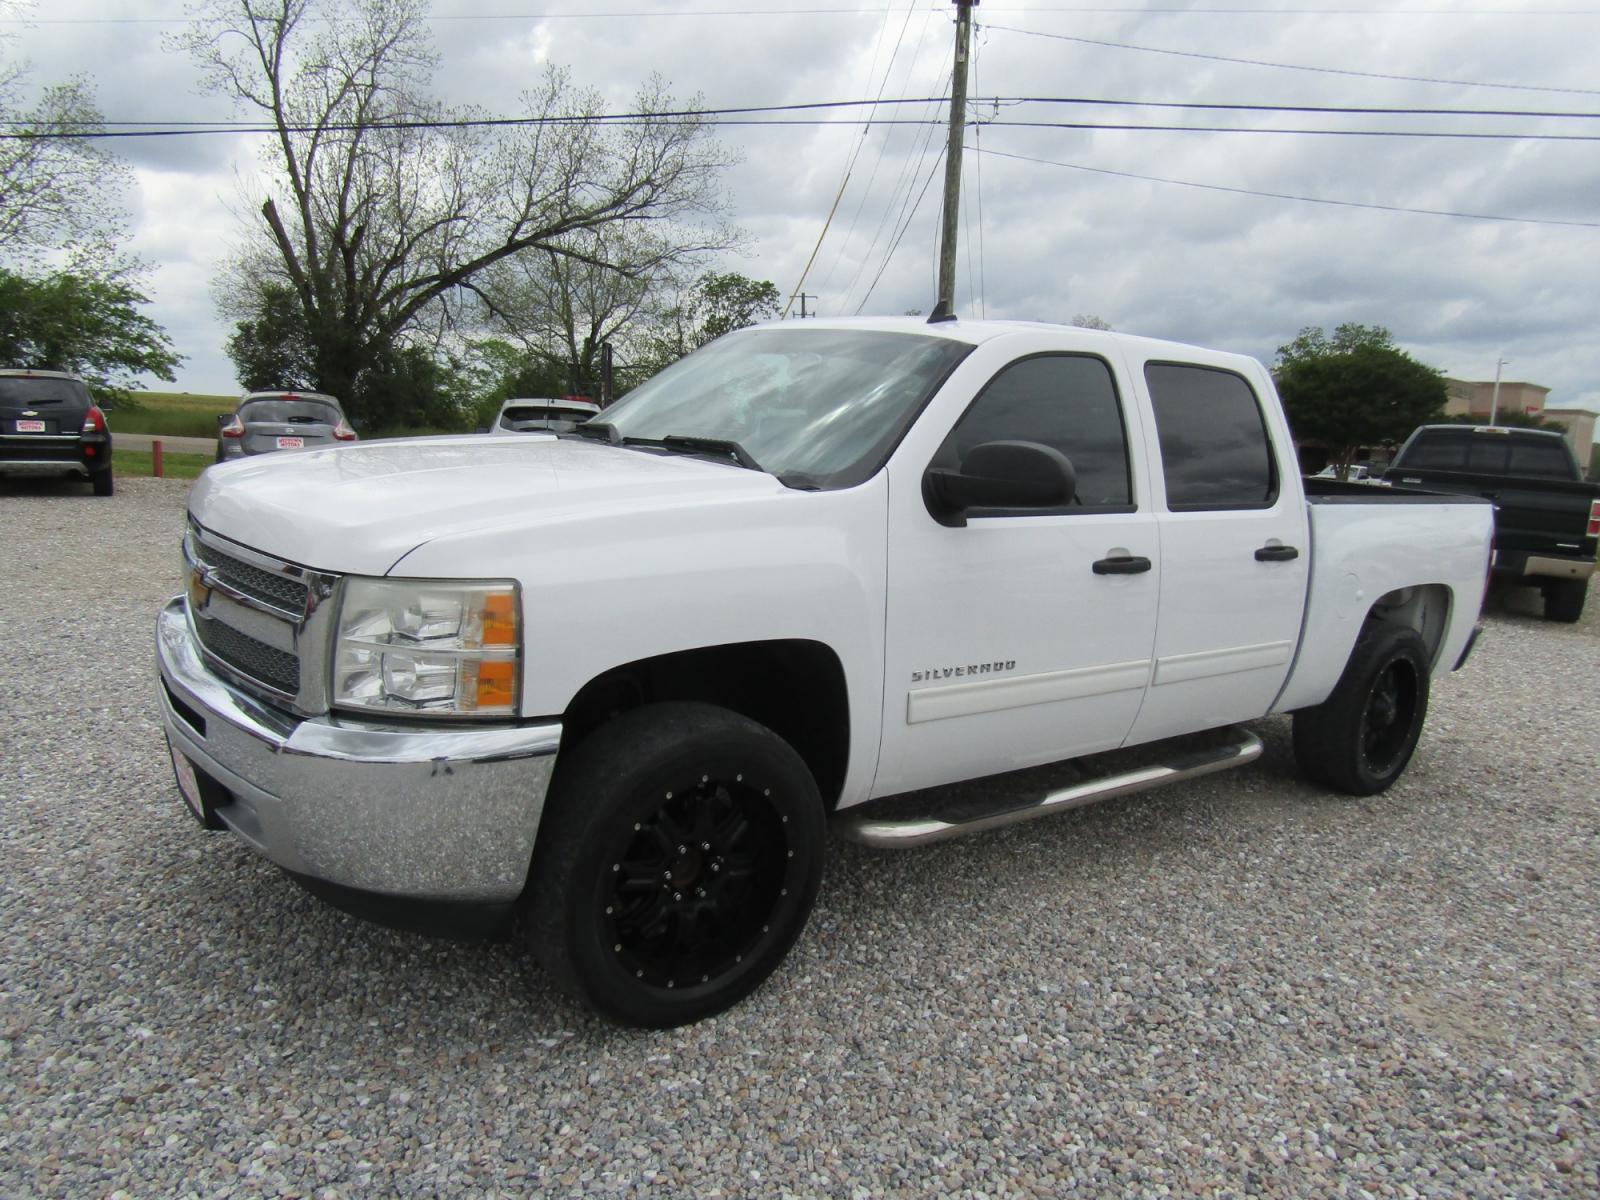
(19, 390)
(282, 411)
(1490, 453)
(1214, 448)
(538, 418)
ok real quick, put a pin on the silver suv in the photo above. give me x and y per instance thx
(543, 416)
(269, 421)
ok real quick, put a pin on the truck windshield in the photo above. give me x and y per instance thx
(815, 407)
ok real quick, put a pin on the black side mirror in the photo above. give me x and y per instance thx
(1014, 475)
(223, 419)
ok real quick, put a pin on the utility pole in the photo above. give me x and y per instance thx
(945, 309)
(1494, 400)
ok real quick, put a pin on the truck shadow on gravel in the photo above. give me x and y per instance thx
(325, 971)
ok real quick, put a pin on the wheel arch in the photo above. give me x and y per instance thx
(794, 687)
(1425, 608)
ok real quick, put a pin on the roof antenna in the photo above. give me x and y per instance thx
(941, 312)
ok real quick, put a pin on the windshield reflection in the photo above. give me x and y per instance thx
(820, 406)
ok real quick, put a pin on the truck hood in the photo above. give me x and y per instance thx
(360, 509)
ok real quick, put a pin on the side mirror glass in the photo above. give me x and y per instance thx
(1014, 475)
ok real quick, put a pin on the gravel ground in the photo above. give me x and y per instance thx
(1238, 986)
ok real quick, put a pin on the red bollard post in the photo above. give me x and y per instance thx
(155, 457)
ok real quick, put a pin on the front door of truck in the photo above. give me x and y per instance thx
(1007, 645)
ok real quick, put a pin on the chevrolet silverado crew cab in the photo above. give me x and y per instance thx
(618, 680)
(1546, 517)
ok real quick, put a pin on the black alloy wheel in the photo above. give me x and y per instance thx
(1361, 737)
(1386, 731)
(676, 864)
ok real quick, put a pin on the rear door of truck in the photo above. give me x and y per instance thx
(1235, 549)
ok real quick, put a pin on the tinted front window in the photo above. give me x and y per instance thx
(280, 412)
(819, 407)
(16, 389)
(1214, 449)
(1068, 402)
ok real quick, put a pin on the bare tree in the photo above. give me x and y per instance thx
(59, 191)
(382, 204)
(562, 304)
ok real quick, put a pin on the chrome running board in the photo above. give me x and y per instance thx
(859, 825)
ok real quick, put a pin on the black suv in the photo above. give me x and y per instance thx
(50, 423)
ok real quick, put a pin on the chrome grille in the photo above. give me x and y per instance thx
(278, 669)
(263, 623)
(277, 590)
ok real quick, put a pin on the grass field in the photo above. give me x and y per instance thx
(193, 414)
(174, 466)
(176, 414)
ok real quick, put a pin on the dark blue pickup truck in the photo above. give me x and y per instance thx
(1546, 517)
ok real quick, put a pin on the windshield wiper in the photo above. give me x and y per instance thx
(706, 445)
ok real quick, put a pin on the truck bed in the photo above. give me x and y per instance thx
(1369, 543)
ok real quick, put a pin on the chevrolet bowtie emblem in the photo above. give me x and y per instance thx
(199, 590)
(28, 412)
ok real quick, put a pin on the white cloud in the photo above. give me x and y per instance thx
(1237, 271)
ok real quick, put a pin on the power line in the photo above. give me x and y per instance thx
(889, 221)
(877, 162)
(657, 118)
(1238, 191)
(1256, 62)
(850, 166)
(156, 127)
(888, 258)
(869, 10)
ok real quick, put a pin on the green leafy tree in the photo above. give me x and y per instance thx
(714, 305)
(273, 349)
(495, 370)
(1355, 389)
(92, 326)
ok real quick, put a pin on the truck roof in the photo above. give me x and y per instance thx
(978, 332)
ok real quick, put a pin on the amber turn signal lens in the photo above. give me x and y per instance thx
(499, 619)
(497, 684)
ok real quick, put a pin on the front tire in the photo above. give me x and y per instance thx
(1359, 739)
(1563, 599)
(677, 862)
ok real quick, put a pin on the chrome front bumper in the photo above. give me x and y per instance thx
(400, 810)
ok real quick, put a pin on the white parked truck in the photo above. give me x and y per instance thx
(620, 680)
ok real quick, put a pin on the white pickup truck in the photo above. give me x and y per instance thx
(619, 680)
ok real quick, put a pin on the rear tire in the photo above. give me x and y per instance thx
(103, 483)
(1359, 739)
(1563, 599)
(677, 862)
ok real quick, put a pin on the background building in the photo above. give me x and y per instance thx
(1474, 398)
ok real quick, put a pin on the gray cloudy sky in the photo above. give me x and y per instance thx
(1216, 267)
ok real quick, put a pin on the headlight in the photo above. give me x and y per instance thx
(446, 649)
